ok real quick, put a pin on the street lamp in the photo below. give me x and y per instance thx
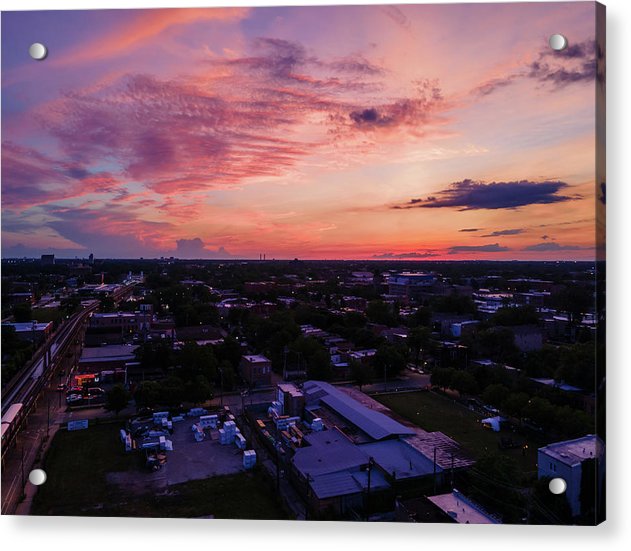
(221, 387)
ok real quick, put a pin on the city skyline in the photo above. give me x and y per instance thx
(231, 132)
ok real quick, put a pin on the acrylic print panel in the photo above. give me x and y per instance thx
(340, 262)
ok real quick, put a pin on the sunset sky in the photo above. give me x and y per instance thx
(437, 132)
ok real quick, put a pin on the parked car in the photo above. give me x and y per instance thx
(74, 399)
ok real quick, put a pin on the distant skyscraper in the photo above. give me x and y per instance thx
(91, 259)
(48, 259)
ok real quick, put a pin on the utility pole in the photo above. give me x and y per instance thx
(434, 470)
(385, 378)
(276, 445)
(59, 391)
(48, 419)
(371, 462)
(22, 470)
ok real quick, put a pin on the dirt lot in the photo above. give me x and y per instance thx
(89, 473)
(191, 460)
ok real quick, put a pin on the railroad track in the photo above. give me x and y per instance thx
(21, 388)
(25, 387)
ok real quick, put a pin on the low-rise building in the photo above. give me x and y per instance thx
(256, 370)
(32, 331)
(460, 329)
(292, 399)
(568, 460)
(106, 358)
(354, 303)
(332, 474)
(361, 278)
(410, 284)
(462, 509)
(98, 290)
(362, 356)
(442, 322)
(122, 322)
(488, 302)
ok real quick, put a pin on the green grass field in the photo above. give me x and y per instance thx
(434, 412)
(239, 496)
(77, 467)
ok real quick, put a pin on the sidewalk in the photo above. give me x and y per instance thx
(31, 444)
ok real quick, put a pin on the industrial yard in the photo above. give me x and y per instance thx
(91, 474)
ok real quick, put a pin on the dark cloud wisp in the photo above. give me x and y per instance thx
(403, 256)
(499, 233)
(491, 248)
(550, 246)
(473, 195)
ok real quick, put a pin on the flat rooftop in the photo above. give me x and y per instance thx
(291, 389)
(257, 358)
(400, 459)
(462, 509)
(27, 326)
(101, 315)
(347, 483)
(111, 351)
(414, 274)
(329, 451)
(574, 452)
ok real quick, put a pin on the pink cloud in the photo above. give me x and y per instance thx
(31, 178)
(241, 119)
(142, 27)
